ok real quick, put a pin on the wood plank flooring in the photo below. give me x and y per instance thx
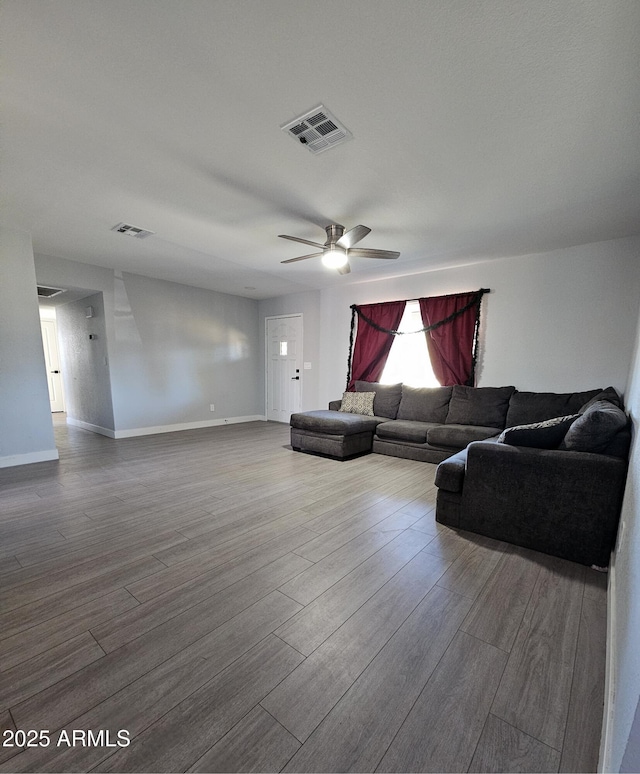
(236, 606)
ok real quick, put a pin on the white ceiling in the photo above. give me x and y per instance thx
(481, 129)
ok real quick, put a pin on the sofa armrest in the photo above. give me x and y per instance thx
(560, 502)
(334, 405)
(450, 472)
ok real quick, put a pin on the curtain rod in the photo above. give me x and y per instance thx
(463, 293)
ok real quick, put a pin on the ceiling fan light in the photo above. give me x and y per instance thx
(334, 257)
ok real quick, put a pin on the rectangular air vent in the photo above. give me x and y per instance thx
(132, 231)
(45, 292)
(318, 130)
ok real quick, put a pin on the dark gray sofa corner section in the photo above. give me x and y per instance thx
(562, 503)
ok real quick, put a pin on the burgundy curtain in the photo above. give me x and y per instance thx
(451, 345)
(372, 346)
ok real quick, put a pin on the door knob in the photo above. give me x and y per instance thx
(295, 377)
(55, 372)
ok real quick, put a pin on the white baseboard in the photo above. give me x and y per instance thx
(606, 740)
(92, 428)
(137, 431)
(13, 460)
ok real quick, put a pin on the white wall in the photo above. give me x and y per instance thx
(26, 428)
(558, 322)
(624, 607)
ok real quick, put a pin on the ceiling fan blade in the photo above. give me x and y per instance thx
(302, 258)
(344, 269)
(353, 236)
(363, 252)
(304, 241)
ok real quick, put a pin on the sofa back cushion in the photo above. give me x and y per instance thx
(486, 406)
(424, 404)
(526, 408)
(387, 399)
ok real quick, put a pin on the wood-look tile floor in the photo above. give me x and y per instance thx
(235, 606)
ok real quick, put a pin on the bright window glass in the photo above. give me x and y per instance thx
(408, 360)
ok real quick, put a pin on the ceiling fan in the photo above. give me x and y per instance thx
(338, 248)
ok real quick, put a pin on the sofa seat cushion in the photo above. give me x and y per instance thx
(387, 397)
(482, 406)
(424, 404)
(458, 436)
(405, 430)
(526, 408)
(333, 422)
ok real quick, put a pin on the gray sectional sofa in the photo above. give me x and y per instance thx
(542, 470)
(425, 424)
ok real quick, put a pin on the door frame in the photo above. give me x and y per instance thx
(300, 316)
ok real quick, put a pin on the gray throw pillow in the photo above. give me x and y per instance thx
(358, 403)
(387, 397)
(595, 429)
(538, 435)
(610, 394)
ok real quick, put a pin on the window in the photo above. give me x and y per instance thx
(409, 360)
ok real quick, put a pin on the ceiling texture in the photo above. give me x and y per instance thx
(480, 130)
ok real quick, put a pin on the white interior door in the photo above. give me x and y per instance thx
(52, 362)
(284, 366)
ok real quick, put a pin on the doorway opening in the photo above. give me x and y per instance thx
(49, 329)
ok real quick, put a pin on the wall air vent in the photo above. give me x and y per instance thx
(318, 130)
(45, 292)
(132, 231)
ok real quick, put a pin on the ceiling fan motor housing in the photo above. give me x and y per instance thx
(334, 232)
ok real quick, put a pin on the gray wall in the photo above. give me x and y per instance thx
(87, 386)
(26, 428)
(172, 349)
(178, 349)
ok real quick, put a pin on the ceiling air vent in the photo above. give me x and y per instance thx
(132, 231)
(318, 130)
(45, 292)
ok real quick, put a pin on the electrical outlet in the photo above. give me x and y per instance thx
(212, 407)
